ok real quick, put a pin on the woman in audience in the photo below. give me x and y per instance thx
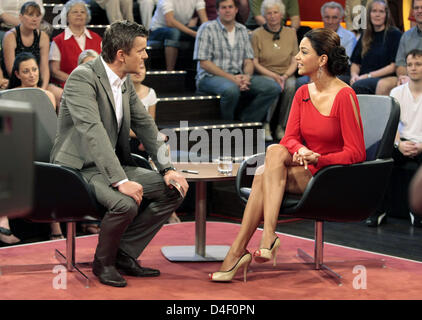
(149, 99)
(28, 38)
(375, 53)
(275, 48)
(68, 45)
(324, 128)
(26, 74)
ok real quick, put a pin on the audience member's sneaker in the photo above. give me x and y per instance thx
(268, 136)
(376, 219)
(416, 221)
(279, 132)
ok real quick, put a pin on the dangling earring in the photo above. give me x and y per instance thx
(319, 73)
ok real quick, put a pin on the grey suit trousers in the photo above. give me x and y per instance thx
(125, 226)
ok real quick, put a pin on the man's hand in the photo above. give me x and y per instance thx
(402, 80)
(178, 178)
(409, 148)
(133, 190)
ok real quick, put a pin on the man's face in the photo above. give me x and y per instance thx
(227, 11)
(332, 18)
(414, 67)
(417, 11)
(134, 60)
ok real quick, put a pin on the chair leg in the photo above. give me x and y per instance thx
(69, 261)
(318, 260)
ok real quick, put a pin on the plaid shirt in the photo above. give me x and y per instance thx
(212, 44)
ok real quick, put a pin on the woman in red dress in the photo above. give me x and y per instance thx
(324, 128)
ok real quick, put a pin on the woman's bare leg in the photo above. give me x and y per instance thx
(265, 199)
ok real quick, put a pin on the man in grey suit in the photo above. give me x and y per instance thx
(99, 106)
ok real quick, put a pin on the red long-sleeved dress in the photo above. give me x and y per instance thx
(338, 138)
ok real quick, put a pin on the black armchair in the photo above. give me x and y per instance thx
(60, 194)
(341, 193)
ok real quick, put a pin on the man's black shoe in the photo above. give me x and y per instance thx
(129, 266)
(108, 274)
(376, 219)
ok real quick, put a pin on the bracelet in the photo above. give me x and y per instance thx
(369, 75)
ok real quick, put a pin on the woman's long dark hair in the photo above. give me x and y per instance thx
(14, 81)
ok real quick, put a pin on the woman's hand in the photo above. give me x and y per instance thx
(304, 156)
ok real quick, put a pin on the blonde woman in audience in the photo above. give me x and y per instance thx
(149, 99)
(27, 37)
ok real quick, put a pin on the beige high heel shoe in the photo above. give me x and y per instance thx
(222, 276)
(263, 255)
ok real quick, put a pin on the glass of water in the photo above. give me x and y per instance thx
(225, 165)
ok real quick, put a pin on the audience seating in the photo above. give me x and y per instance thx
(341, 193)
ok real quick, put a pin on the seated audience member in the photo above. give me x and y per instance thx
(416, 193)
(87, 55)
(332, 14)
(68, 45)
(275, 48)
(146, 10)
(256, 18)
(374, 55)
(169, 24)
(149, 99)
(117, 9)
(27, 37)
(408, 142)
(320, 133)
(225, 67)
(409, 40)
(9, 15)
(26, 74)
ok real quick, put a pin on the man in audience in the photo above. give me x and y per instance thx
(332, 14)
(411, 39)
(225, 66)
(98, 108)
(408, 142)
(170, 25)
(256, 19)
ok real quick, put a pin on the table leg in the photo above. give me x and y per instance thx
(199, 252)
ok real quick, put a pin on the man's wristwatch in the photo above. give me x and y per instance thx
(396, 144)
(164, 171)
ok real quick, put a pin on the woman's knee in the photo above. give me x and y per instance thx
(276, 154)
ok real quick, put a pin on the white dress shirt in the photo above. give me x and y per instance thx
(116, 87)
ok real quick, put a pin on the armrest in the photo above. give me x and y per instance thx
(140, 161)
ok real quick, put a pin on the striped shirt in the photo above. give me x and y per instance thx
(212, 43)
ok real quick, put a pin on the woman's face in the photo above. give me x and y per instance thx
(139, 77)
(77, 15)
(31, 19)
(28, 73)
(378, 14)
(307, 59)
(273, 16)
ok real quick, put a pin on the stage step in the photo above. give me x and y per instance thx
(166, 82)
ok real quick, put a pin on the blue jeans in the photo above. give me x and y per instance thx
(365, 86)
(171, 37)
(262, 94)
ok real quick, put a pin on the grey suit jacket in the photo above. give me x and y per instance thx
(87, 133)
